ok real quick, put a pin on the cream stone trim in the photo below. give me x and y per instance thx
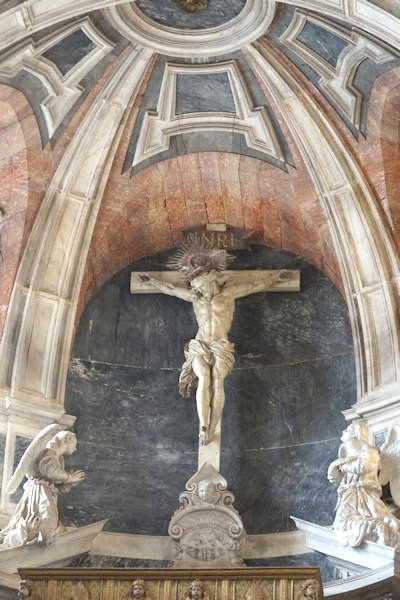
(380, 21)
(367, 259)
(62, 91)
(337, 81)
(162, 548)
(367, 565)
(158, 127)
(34, 350)
(323, 539)
(33, 15)
(250, 24)
(72, 542)
(35, 347)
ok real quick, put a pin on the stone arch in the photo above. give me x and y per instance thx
(13, 200)
(365, 251)
(389, 139)
(21, 175)
(36, 341)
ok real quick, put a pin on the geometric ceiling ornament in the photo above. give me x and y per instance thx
(136, 26)
(309, 36)
(60, 73)
(238, 116)
(177, 14)
(192, 6)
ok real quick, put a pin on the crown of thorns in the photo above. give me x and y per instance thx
(194, 257)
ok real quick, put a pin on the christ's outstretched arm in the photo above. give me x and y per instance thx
(240, 290)
(168, 288)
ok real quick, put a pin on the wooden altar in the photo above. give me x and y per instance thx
(170, 584)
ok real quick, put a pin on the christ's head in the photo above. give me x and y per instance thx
(208, 284)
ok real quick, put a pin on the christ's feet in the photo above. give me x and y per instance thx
(204, 436)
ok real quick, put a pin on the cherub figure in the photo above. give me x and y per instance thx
(138, 590)
(207, 491)
(26, 590)
(35, 518)
(309, 590)
(196, 591)
(358, 473)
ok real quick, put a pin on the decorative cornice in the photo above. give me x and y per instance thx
(253, 122)
(249, 25)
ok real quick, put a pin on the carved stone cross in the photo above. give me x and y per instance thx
(210, 356)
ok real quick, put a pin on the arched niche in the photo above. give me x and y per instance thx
(282, 421)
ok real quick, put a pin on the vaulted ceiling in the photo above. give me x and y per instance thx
(125, 123)
(122, 124)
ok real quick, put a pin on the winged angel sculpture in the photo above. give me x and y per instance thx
(359, 473)
(35, 518)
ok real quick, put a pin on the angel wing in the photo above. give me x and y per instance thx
(27, 463)
(389, 467)
(342, 453)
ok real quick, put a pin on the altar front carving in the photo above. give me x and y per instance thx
(171, 584)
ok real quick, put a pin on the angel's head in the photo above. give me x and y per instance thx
(207, 492)
(309, 590)
(26, 589)
(138, 590)
(208, 285)
(357, 434)
(64, 441)
(196, 590)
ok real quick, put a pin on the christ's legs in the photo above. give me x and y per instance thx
(202, 370)
(219, 372)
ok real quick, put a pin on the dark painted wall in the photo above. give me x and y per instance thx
(293, 375)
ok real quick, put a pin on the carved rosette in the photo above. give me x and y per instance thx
(206, 529)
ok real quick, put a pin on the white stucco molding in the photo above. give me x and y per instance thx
(322, 539)
(62, 90)
(158, 127)
(337, 81)
(367, 258)
(71, 542)
(377, 18)
(29, 16)
(34, 350)
(250, 24)
(361, 567)
(33, 15)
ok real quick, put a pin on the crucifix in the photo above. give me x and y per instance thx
(200, 277)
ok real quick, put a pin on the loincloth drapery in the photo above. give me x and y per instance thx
(221, 348)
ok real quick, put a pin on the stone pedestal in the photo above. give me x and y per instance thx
(207, 530)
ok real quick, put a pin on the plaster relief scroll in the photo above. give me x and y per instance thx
(207, 530)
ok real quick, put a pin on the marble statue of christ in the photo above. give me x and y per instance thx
(210, 355)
